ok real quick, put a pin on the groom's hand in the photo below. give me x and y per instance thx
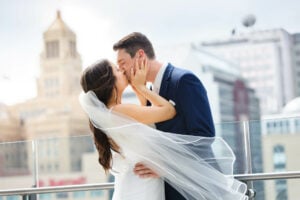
(144, 172)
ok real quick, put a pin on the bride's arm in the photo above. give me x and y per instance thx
(161, 109)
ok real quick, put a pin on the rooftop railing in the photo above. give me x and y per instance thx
(105, 186)
(244, 137)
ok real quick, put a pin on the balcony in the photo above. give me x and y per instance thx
(267, 160)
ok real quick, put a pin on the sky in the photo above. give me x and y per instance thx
(98, 24)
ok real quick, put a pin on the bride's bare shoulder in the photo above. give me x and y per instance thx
(124, 106)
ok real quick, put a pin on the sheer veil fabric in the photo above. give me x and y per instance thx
(181, 160)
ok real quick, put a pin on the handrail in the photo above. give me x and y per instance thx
(105, 186)
(268, 176)
(55, 189)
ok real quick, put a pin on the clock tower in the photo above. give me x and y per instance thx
(60, 63)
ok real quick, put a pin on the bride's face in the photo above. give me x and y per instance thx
(121, 80)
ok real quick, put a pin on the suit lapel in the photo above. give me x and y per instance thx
(165, 81)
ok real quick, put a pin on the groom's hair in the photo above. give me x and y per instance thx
(133, 42)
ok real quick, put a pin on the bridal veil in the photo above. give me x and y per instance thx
(183, 161)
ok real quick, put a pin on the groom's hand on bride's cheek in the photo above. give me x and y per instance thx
(144, 172)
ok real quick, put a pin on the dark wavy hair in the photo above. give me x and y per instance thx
(133, 42)
(100, 79)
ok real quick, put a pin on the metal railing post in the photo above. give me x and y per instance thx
(35, 169)
(246, 131)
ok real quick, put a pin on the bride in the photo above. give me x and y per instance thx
(123, 138)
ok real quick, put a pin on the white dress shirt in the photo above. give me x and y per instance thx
(158, 79)
(157, 83)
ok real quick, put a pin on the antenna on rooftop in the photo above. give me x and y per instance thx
(247, 21)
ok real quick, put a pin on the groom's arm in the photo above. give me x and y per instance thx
(144, 172)
(194, 104)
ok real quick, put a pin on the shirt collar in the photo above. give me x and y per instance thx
(159, 77)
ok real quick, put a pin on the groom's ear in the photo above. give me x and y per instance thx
(140, 53)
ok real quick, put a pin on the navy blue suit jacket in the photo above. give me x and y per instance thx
(193, 110)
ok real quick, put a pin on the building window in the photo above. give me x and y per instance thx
(51, 82)
(42, 167)
(49, 167)
(279, 161)
(52, 49)
(45, 196)
(56, 166)
(72, 46)
(297, 125)
(79, 194)
(279, 158)
(62, 195)
(297, 53)
(13, 198)
(281, 189)
(97, 193)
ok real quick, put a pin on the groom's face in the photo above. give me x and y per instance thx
(125, 62)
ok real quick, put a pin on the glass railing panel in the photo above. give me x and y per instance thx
(279, 143)
(74, 160)
(233, 134)
(255, 137)
(239, 135)
(15, 168)
(281, 189)
(78, 195)
(259, 188)
(68, 161)
(12, 197)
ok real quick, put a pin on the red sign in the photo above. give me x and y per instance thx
(69, 181)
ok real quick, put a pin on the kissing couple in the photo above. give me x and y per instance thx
(165, 148)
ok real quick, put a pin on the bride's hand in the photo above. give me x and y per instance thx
(139, 73)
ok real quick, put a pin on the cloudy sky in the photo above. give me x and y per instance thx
(99, 23)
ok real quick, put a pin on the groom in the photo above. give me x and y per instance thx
(179, 86)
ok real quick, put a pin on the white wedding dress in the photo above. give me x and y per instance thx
(183, 161)
(129, 186)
